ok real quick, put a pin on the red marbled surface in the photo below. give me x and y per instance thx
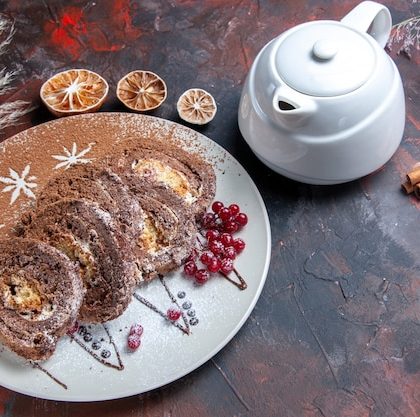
(336, 332)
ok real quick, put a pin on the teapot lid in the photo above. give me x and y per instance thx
(325, 58)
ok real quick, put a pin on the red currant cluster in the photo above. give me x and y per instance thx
(133, 341)
(225, 219)
(221, 248)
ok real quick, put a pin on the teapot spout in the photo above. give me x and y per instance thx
(290, 108)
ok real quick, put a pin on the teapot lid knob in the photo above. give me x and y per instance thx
(324, 49)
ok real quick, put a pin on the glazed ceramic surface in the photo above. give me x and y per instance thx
(215, 311)
(323, 103)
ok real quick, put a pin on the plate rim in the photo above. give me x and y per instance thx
(188, 370)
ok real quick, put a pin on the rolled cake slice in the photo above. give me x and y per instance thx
(159, 240)
(169, 229)
(99, 184)
(88, 236)
(41, 293)
(186, 173)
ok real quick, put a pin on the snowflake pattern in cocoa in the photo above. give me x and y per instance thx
(16, 184)
(72, 157)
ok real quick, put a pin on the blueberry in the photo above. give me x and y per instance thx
(193, 321)
(87, 337)
(186, 305)
(82, 330)
(96, 345)
(191, 313)
(105, 353)
(181, 294)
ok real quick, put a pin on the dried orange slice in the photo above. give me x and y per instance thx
(196, 106)
(74, 91)
(141, 90)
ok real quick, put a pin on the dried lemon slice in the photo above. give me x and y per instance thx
(141, 90)
(196, 106)
(74, 91)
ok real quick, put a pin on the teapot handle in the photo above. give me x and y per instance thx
(370, 17)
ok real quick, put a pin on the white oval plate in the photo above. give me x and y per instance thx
(166, 353)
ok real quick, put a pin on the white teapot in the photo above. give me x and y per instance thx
(323, 103)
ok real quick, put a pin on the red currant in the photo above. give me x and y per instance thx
(136, 329)
(230, 252)
(173, 314)
(216, 247)
(212, 234)
(226, 266)
(208, 220)
(226, 239)
(224, 214)
(234, 209)
(239, 245)
(217, 206)
(73, 329)
(214, 265)
(189, 268)
(192, 256)
(241, 219)
(206, 257)
(231, 227)
(133, 341)
(220, 226)
(202, 276)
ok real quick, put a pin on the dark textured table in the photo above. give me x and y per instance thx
(336, 331)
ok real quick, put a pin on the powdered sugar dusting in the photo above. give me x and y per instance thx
(104, 215)
(217, 308)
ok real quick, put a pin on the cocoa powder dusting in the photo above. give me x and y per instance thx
(31, 157)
